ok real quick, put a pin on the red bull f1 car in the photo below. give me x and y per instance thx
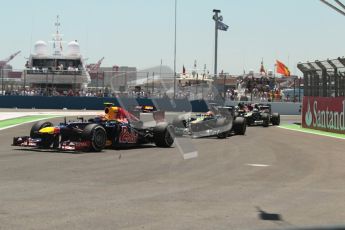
(116, 128)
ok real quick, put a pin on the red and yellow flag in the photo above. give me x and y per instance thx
(282, 69)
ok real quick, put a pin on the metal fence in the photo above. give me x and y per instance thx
(324, 78)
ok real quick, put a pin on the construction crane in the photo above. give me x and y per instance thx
(339, 10)
(95, 67)
(7, 60)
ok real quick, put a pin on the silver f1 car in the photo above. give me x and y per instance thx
(219, 122)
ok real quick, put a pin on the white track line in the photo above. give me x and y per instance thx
(258, 165)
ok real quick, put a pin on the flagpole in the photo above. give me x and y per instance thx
(175, 52)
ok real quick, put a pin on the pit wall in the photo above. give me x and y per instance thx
(95, 103)
(324, 113)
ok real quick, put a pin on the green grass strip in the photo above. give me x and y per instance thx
(299, 128)
(22, 120)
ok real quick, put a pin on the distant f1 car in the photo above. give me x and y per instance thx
(116, 128)
(146, 108)
(219, 122)
(258, 114)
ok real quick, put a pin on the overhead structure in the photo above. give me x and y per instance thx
(340, 10)
(7, 60)
(324, 78)
(323, 106)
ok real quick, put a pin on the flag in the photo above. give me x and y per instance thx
(262, 68)
(222, 26)
(183, 70)
(282, 69)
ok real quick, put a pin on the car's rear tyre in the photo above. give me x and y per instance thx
(163, 135)
(46, 139)
(240, 126)
(266, 119)
(223, 135)
(97, 135)
(275, 119)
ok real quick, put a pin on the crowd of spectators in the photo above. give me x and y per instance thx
(263, 89)
(53, 92)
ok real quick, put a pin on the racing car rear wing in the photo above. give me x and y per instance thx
(158, 116)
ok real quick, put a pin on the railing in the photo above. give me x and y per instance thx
(57, 72)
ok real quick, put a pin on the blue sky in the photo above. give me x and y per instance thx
(140, 32)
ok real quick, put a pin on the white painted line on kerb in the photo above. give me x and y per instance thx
(258, 165)
(39, 119)
(311, 132)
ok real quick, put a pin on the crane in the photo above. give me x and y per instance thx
(95, 67)
(7, 60)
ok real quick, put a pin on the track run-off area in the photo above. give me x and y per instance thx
(229, 184)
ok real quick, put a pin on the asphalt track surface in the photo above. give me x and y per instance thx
(296, 175)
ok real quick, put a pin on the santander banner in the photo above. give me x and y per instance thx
(324, 113)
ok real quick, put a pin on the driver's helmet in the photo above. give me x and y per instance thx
(241, 105)
(114, 113)
(209, 114)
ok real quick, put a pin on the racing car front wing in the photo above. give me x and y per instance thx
(26, 141)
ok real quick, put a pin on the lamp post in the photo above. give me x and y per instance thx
(216, 18)
(219, 25)
(153, 83)
(175, 51)
(224, 88)
(2, 81)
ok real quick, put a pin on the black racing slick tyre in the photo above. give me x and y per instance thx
(266, 119)
(222, 135)
(240, 126)
(275, 119)
(46, 140)
(163, 135)
(97, 135)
